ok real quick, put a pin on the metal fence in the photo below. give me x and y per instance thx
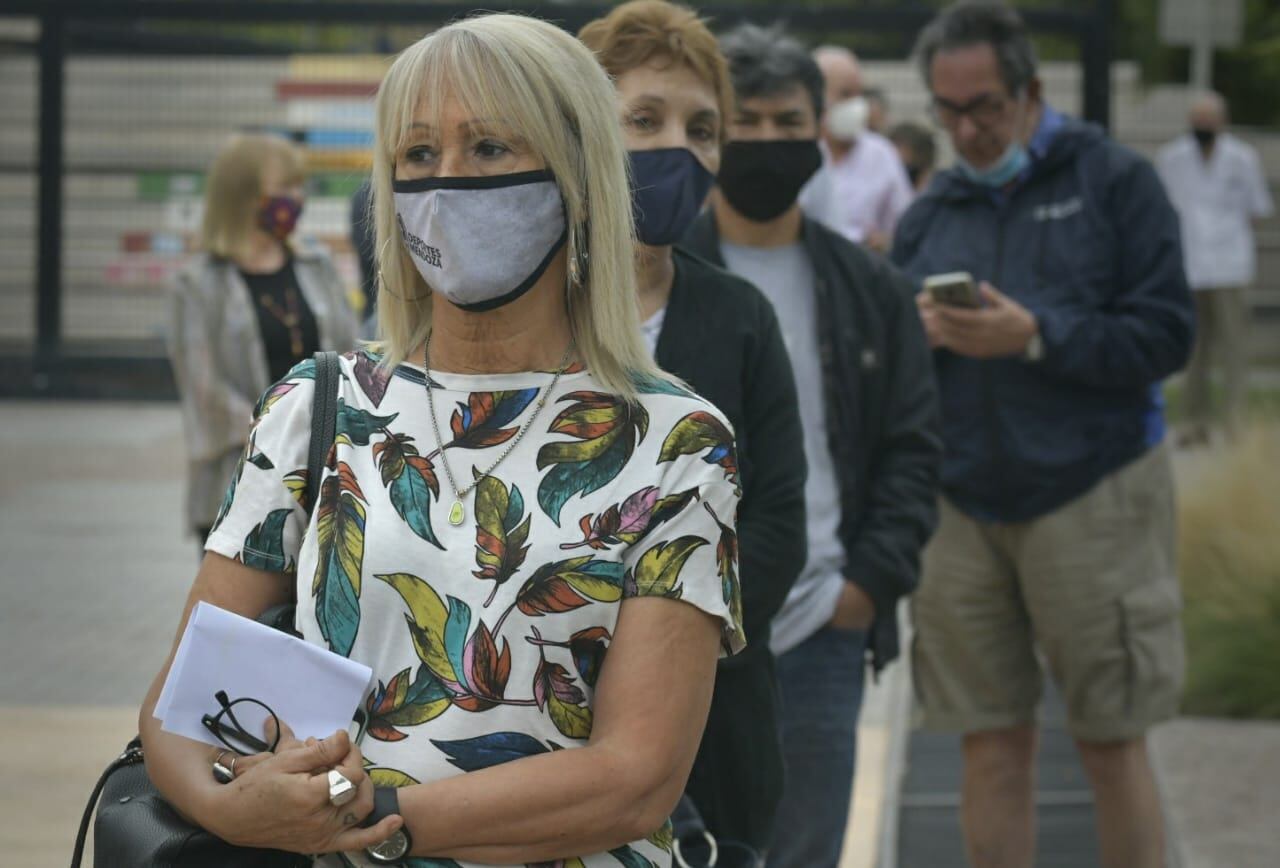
(110, 113)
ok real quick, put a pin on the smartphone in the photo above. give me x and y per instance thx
(956, 288)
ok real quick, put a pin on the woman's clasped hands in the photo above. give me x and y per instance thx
(281, 800)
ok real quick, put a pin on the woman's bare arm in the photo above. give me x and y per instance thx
(277, 802)
(650, 708)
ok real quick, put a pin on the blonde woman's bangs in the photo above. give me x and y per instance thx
(491, 81)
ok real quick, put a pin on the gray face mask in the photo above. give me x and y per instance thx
(482, 242)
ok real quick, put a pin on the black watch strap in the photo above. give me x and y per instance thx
(386, 801)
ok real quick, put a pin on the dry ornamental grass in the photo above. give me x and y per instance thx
(1229, 547)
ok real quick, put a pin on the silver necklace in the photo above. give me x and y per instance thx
(457, 513)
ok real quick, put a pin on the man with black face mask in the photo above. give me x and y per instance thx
(1216, 182)
(869, 408)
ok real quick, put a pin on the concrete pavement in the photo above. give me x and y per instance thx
(92, 579)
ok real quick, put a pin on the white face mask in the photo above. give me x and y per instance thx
(847, 120)
(482, 242)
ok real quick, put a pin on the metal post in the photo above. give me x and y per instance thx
(1095, 50)
(1202, 48)
(53, 55)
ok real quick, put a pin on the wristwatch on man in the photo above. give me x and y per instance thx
(386, 801)
(1035, 349)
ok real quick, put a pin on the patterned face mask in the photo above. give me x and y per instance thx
(482, 242)
(278, 215)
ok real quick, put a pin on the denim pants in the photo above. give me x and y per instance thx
(820, 687)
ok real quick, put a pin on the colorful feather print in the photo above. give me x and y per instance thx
(304, 370)
(405, 702)
(481, 422)
(249, 455)
(494, 749)
(631, 859)
(502, 532)
(698, 431)
(264, 546)
(605, 431)
(727, 566)
(470, 664)
(561, 699)
(410, 479)
(371, 377)
(340, 534)
(657, 573)
(356, 426)
(570, 584)
(632, 520)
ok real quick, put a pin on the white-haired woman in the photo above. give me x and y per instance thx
(525, 528)
(247, 310)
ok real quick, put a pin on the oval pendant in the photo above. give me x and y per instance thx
(456, 514)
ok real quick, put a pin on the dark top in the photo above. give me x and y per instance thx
(882, 416)
(1089, 243)
(290, 333)
(721, 336)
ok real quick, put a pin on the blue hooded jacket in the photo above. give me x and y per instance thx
(1088, 241)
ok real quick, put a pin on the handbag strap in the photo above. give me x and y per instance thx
(324, 421)
(132, 755)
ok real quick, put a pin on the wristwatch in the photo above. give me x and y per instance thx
(386, 801)
(1035, 349)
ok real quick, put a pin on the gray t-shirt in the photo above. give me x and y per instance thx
(785, 276)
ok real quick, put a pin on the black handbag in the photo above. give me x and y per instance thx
(135, 826)
(694, 846)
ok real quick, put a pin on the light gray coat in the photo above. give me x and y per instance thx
(220, 362)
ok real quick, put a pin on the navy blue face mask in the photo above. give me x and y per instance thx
(669, 186)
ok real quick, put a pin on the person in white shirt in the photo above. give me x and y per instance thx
(1218, 187)
(862, 188)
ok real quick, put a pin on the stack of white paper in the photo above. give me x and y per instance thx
(314, 691)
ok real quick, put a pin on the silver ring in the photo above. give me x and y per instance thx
(712, 858)
(221, 773)
(341, 790)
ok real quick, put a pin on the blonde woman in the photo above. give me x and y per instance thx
(249, 309)
(525, 529)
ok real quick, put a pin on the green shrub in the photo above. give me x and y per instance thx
(1229, 549)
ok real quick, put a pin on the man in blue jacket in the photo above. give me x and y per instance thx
(1056, 526)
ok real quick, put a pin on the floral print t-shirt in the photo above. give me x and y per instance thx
(486, 637)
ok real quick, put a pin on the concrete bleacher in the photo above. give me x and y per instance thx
(140, 132)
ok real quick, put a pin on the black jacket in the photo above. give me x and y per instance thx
(1089, 243)
(882, 412)
(721, 336)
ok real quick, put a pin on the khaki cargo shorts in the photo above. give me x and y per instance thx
(1091, 588)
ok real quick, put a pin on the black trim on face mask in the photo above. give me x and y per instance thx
(475, 182)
